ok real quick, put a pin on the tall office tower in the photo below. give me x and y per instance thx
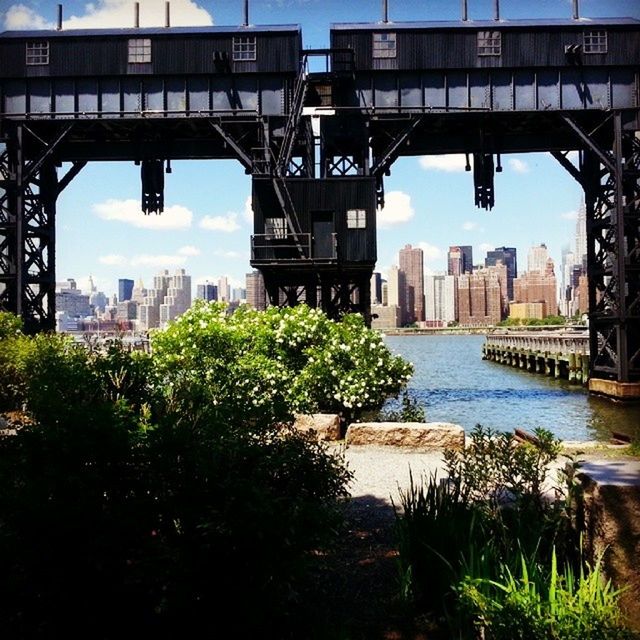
(440, 299)
(508, 257)
(396, 292)
(537, 258)
(207, 291)
(581, 237)
(177, 298)
(224, 292)
(412, 263)
(139, 292)
(480, 297)
(538, 286)
(385, 293)
(460, 260)
(256, 294)
(149, 310)
(566, 283)
(125, 289)
(376, 288)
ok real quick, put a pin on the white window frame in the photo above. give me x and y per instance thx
(37, 52)
(275, 228)
(244, 48)
(489, 43)
(139, 50)
(384, 44)
(595, 41)
(356, 219)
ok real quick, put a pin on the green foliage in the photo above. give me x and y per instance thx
(532, 605)
(127, 497)
(10, 325)
(409, 411)
(533, 322)
(261, 366)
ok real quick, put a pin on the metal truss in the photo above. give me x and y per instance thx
(611, 179)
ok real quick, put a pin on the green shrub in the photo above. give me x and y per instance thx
(409, 411)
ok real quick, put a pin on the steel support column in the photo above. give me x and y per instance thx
(612, 198)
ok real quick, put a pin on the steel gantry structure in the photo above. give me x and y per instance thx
(318, 144)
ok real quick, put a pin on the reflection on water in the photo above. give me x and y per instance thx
(454, 384)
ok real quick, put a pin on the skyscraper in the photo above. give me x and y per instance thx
(538, 286)
(125, 289)
(460, 260)
(440, 299)
(581, 237)
(412, 263)
(256, 294)
(177, 299)
(396, 292)
(376, 288)
(207, 291)
(508, 257)
(537, 258)
(480, 296)
(224, 292)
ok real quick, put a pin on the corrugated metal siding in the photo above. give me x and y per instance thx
(457, 48)
(95, 55)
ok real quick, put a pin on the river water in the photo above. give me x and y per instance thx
(454, 384)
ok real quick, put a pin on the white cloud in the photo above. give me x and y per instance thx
(485, 246)
(119, 13)
(470, 226)
(19, 16)
(569, 215)
(189, 250)
(247, 212)
(397, 209)
(112, 260)
(448, 162)
(228, 223)
(161, 261)
(228, 254)
(519, 166)
(130, 212)
(430, 251)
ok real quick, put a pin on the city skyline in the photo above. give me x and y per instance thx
(206, 225)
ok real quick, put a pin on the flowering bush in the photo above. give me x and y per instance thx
(273, 363)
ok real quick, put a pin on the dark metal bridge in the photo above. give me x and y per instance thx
(318, 144)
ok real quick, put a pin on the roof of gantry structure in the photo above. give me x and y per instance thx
(485, 24)
(150, 31)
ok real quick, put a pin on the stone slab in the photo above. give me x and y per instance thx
(325, 426)
(421, 436)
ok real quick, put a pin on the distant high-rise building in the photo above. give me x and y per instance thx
(480, 296)
(460, 260)
(581, 237)
(125, 289)
(177, 299)
(256, 293)
(207, 291)
(385, 293)
(537, 258)
(224, 292)
(396, 292)
(538, 286)
(376, 288)
(412, 263)
(139, 292)
(149, 310)
(440, 299)
(508, 257)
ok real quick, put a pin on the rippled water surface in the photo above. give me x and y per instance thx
(454, 384)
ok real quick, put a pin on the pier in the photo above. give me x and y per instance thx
(560, 353)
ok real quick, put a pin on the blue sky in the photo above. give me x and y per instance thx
(206, 225)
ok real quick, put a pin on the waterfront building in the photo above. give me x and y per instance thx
(508, 257)
(396, 292)
(177, 299)
(460, 260)
(125, 289)
(256, 293)
(385, 317)
(481, 296)
(527, 310)
(537, 286)
(440, 299)
(411, 261)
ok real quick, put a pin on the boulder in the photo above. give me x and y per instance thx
(325, 426)
(421, 436)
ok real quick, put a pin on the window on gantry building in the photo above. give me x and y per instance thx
(384, 45)
(594, 41)
(139, 50)
(275, 228)
(37, 52)
(356, 219)
(244, 48)
(489, 43)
